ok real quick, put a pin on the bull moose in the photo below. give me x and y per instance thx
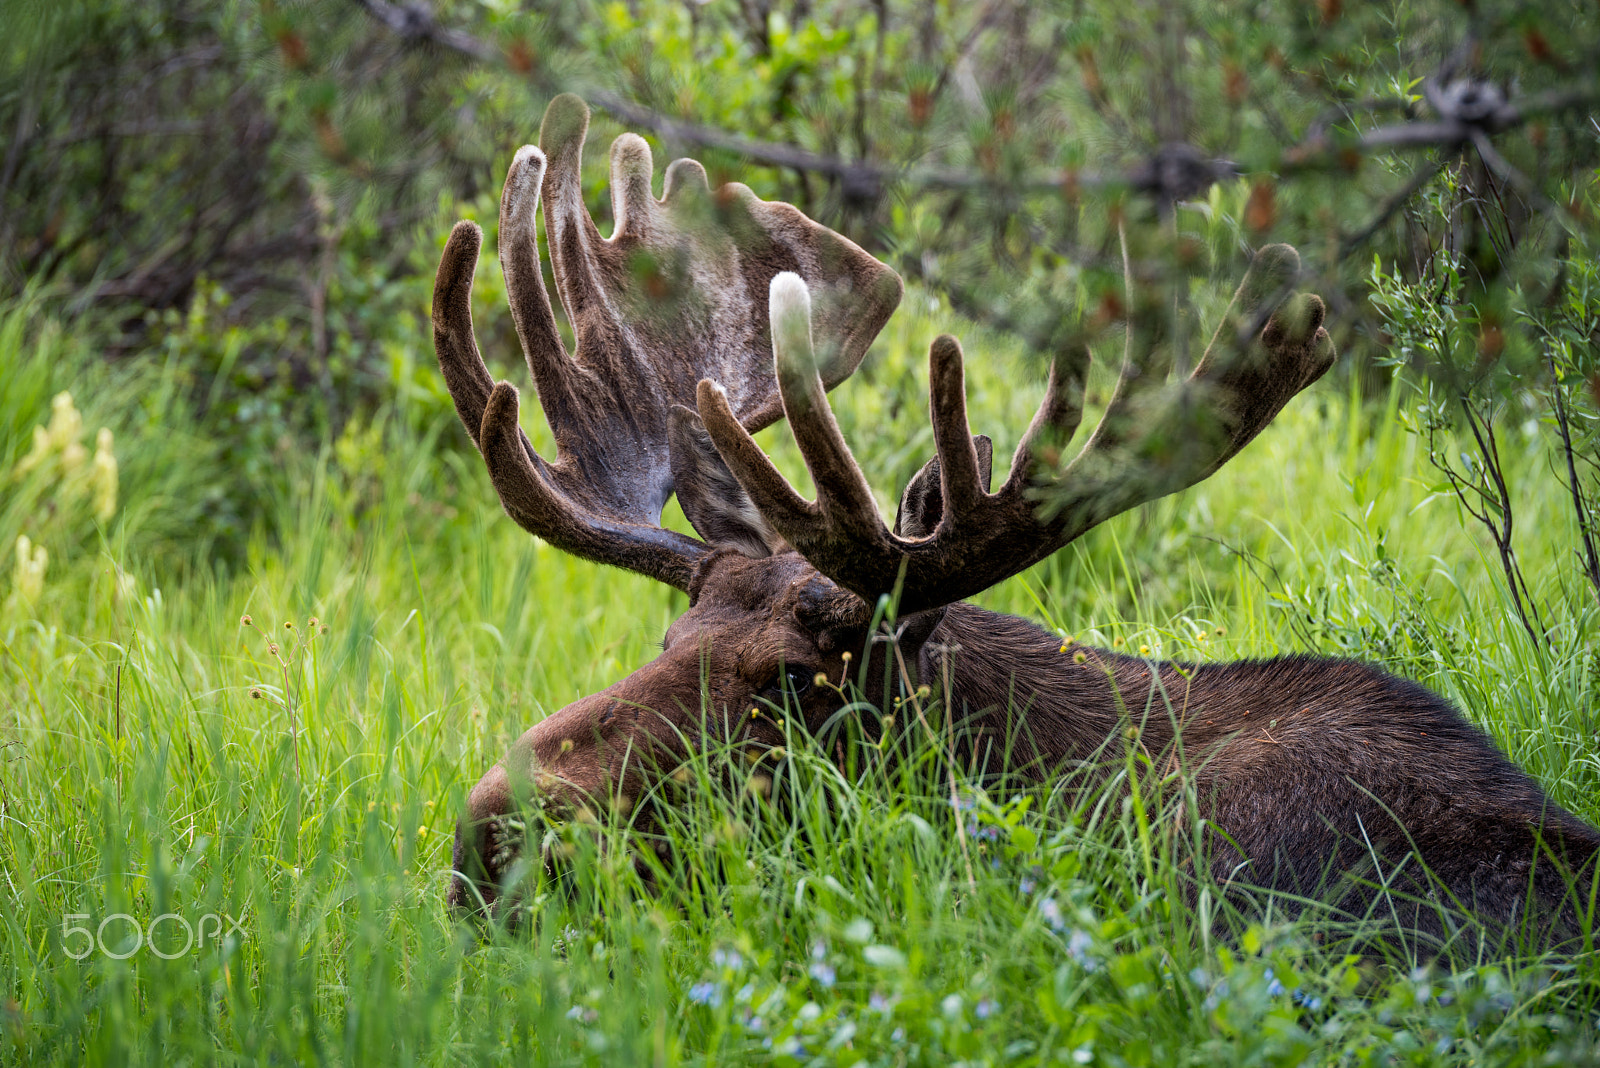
(708, 316)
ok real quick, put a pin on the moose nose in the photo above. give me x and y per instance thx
(482, 843)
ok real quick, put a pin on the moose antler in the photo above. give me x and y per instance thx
(1154, 439)
(672, 297)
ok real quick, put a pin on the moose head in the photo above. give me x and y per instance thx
(709, 315)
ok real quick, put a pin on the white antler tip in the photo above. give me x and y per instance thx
(789, 296)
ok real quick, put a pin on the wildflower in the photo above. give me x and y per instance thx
(881, 1005)
(1079, 657)
(103, 477)
(1274, 987)
(1144, 650)
(422, 830)
(1051, 911)
(1078, 945)
(255, 693)
(745, 993)
(821, 679)
(272, 647)
(65, 422)
(312, 622)
(963, 802)
(985, 1009)
(951, 1005)
(1222, 630)
(32, 560)
(727, 958)
(705, 994)
(1028, 885)
(823, 973)
(845, 656)
(244, 620)
(38, 454)
(288, 625)
(1117, 642)
(924, 691)
(583, 1014)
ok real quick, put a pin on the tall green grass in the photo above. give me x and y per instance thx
(159, 759)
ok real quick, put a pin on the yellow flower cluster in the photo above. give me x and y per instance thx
(32, 560)
(58, 450)
(59, 456)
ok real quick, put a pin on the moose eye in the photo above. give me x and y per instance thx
(795, 680)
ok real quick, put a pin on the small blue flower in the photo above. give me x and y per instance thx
(1028, 885)
(727, 958)
(819, 950)
(1274, 988)
(1078, 945)
(1216, 997)
(1309, 1002)
(1051, 913)
(823, 973)
(985, 1009)
(745, 993)
(963, 802)
(880, 1004)
(705, 994)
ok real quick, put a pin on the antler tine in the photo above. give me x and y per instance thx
(844, 507)
(531, 312)
(959, 480)
(1154, 439)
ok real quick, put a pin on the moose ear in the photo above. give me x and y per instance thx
(711, 497)
(923, 502)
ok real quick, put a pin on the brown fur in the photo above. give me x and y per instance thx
(1320, 776)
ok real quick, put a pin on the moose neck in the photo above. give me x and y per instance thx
(1021, 702)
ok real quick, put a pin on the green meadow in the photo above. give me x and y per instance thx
(229, 769)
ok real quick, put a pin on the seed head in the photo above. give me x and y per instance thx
(821, 679)
(272, 647)
(924, 691)
(244, 620)
(845, 656)
(287, 625)
(255, 694)
(312, 622)
(566, 745)
(1079, 657)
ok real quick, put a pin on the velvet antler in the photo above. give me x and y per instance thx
(1155, 438)
(676, 294)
